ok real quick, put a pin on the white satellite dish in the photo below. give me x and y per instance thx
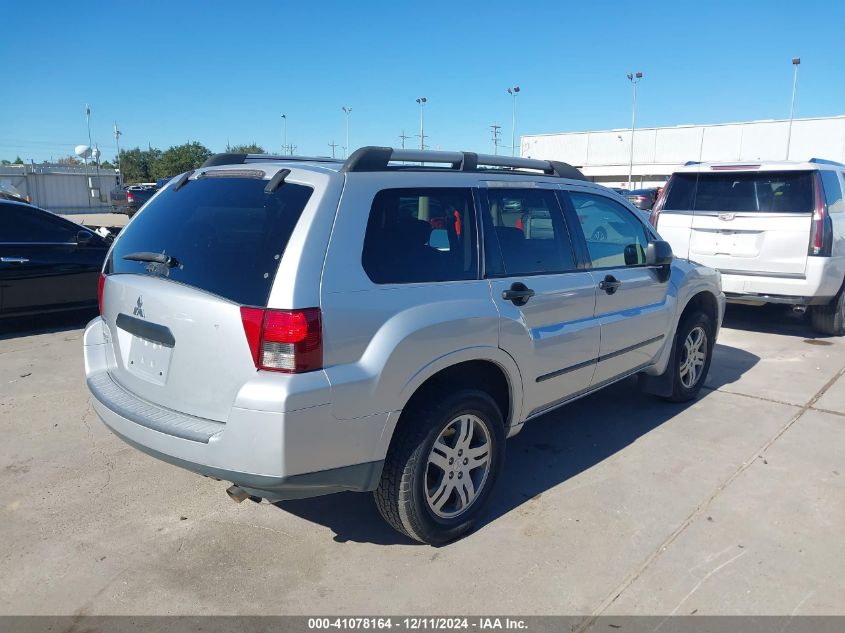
(83, 151)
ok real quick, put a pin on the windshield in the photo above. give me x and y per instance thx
(226, 234)
(771, 192)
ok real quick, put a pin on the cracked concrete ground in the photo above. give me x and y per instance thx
(617, 504)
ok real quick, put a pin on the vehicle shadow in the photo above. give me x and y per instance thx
(17, 327)
(548, 451)
(769, 319)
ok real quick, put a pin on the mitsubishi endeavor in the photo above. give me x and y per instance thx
(299, 327)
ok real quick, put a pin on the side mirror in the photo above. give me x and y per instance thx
(658, 254)
(84, 237)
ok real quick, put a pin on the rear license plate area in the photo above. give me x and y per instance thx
(148, 359)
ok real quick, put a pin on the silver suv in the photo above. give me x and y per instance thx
(304, 326)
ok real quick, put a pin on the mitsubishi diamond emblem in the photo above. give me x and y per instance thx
(139, 307)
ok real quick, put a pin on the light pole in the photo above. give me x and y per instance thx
(796, 61)
(634, 78)
(87, 177)
(422, 101)
(285, 134)
(513, 92)
(347, 111)
(117, 134)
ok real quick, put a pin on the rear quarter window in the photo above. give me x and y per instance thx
(832, 191)
(227, 234)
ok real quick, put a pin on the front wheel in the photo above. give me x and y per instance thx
(692, 355)
(442, 466)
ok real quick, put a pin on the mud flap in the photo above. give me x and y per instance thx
(662, 385)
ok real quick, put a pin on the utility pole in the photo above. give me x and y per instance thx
(333, 145)
(285, 133)
(403, 138)
(117, 134)
(796, 61)
(90, 149)
(495, 131)
(422, 101)
(513, 92)
(346, 111)
(634, 78)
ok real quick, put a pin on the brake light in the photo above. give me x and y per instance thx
(289, 341)
(101, 287)
(821, 231)
(658, 204)
(130, 197)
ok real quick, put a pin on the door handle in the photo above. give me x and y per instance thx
(519, 294)
(14, 260)
(610, 284)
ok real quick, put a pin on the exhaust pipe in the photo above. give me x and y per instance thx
(237, 494)
(799, 309)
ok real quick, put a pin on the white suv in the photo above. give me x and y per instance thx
(303, 326)
(775, 230)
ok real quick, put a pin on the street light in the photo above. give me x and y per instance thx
(796, 61)
(513, 92)
(285, 135)
(634, 78)
(117, 134)
(347, 111)
(422, 101)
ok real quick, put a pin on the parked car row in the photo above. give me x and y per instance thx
(131, 198)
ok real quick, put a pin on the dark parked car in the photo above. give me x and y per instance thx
(137, 196)
(47, 263)
(642, 198)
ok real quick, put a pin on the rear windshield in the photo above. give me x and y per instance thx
(226, 234)
(770, 192)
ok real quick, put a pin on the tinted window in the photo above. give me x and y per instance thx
(227, 234)
(526, 233)
(832, 191)
(614, 236)
(419, 235)
(26, 224)
(771, 192)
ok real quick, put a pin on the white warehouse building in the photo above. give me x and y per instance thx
(604, 156)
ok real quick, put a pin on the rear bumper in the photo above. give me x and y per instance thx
(272, 454)
(817, 286)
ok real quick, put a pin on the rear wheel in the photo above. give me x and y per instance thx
(442, 466)
(691, 358)
(830, 319)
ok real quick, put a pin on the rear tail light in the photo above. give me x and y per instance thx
(130, 197)
(821, 231)
(101, 287)
(289, 341)
(658, 205)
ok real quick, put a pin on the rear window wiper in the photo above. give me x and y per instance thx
(154, 258)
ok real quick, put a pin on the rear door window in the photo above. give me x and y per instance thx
(22, 224)
(227, 235)
(525, 233)
(421, 235)
(768, 192)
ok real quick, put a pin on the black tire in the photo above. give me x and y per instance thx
(401, 494)
(830, 319)
(680, 391)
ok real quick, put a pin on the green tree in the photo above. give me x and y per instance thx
(252, 148)
(106, 165)
(180, 158)
(18, 161)
(69, 160)
(5, 162)
(136, 165)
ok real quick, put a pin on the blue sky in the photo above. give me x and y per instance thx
(225, 71)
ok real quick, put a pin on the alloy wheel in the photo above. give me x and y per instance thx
(693, 357)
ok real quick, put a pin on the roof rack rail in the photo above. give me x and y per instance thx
(824, 161)
(239, 159)
(378, 159)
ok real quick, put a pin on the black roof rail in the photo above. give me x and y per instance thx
(824, 161)
(378, 159)
(240, 159)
